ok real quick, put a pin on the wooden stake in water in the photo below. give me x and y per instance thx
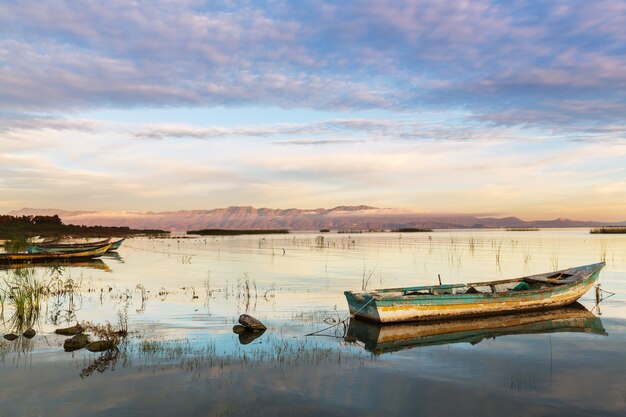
(439, 276)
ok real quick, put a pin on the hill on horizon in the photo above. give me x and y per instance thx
(360, 217)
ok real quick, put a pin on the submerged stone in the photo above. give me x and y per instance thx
(251, 323)
(10, 336)
(101, 346)
(29, 333)
(79, 341)
(70, 331)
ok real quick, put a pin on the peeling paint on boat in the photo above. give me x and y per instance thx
(385, 306)
(54, 256)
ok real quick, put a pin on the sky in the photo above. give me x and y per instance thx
(481, 107)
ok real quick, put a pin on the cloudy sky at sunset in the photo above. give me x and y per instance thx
(482, 106)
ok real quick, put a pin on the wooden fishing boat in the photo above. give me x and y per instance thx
(65, 247)
(54, 256)
(383, 338)
(535, 292)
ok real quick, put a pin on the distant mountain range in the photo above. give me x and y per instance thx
(338, 218)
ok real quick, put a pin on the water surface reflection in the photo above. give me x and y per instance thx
(180, 298)
(384, 338)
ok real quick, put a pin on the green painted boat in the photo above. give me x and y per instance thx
(69, 247)
(65, 247)
(384, 338)
(56, 256)
(440, 302)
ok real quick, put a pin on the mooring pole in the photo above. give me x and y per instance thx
(439, 276)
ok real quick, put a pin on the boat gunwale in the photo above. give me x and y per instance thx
(378, 295)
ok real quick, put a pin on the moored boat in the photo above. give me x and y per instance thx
(65, 247)
(440, 302)
(383, 338)
(52, 256)
(68, 247)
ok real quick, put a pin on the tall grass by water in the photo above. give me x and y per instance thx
(24, 291)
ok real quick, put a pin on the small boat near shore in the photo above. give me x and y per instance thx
(441, 302)
(69, 247)
(55, 256)
(384, 338)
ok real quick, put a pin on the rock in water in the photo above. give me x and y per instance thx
(70, 331)
(238, 328)
(251, 323)
(77, 342)
(101, 346)
(10, 336)
(29, 333)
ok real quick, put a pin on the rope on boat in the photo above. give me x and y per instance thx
(350, 316)
(598, 290)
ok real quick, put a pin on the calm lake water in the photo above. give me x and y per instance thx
(181, 297)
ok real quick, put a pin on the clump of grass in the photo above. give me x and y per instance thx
(603, 250)
(472, 244)
(16, 244)
(411, 230)
(554, 259)
(609, 230)
(106, 331)
(25, 292)
(498, 251)
(366, 277)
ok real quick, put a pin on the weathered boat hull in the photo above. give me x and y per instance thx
(386, 307)
(65, 247)
(77, 254)
(382, 338)
(70, 247)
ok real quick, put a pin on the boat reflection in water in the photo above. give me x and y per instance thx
(115, 256)
(384, 338)
(90, 263)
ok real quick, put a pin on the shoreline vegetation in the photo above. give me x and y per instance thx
(609, 230)
(236, 232)
(522, 229)
(12, 227)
